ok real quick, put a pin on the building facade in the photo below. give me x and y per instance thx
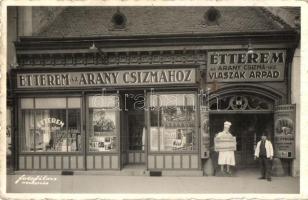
(106, 88)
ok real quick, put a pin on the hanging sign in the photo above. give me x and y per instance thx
(241, 66)
(284, 141)
(107, 78)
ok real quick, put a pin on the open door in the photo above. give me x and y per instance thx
(133, 126)
(284, 143)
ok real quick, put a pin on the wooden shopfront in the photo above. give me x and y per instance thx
(157, 106)
(107, 120)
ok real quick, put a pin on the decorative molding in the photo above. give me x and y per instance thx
(241, 103)
(112, 58)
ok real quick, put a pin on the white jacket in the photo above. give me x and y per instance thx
(268, 147)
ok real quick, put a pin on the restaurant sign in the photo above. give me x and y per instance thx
(107, 78)
(240, 66)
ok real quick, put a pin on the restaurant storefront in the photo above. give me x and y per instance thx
(106, 128)
(153, 102)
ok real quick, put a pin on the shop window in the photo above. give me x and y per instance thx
(103, 124)
(173, 122)
(51, 125)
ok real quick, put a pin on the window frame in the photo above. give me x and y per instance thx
(195, 127)
(34, 109)
(117, 121)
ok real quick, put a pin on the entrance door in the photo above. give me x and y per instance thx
(134, 129)
(247, 128)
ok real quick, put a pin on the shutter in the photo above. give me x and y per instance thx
(284, 131)
(205, 133)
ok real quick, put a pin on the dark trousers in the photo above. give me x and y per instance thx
(265, 166)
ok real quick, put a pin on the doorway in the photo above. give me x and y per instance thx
(247, 128)
(133, 132)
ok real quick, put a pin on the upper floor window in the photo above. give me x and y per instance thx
(118, 20)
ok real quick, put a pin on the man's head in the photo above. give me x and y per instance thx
(227, 126)
(264, 136)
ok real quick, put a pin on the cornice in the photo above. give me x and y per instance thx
(37, 43)
(83, 59)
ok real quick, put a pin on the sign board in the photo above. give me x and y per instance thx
(284, 141)
(225, 143)
(205, 133)
(107, 78)
(241, 66)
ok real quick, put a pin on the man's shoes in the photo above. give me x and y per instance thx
(269, 179)
(261, 177)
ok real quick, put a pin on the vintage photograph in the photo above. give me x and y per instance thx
(153, 99)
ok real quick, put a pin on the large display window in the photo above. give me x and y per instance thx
(103, 123)
(173, 122)
(51, 124)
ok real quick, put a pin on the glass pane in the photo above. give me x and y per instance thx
(51, 130)
(154, 118)
(154, 100)
(155, 121)
(154, 138)
(27, 134)
(50, 103)
(172, 100)
(103, 134)
(177, 139)
(74, 102)
(180, 116)
(27, 103)
(176, 119)
(74, 130)
(99, 101)
(190, 100)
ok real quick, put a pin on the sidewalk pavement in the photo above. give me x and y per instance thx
(246, 182)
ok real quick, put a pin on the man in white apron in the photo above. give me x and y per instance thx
(226, 157)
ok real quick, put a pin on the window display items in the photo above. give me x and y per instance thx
(173, 123)
(177, 139)
(103, 136)
(178, 116)
(102, 122)
(225, 157)
(46, 130)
